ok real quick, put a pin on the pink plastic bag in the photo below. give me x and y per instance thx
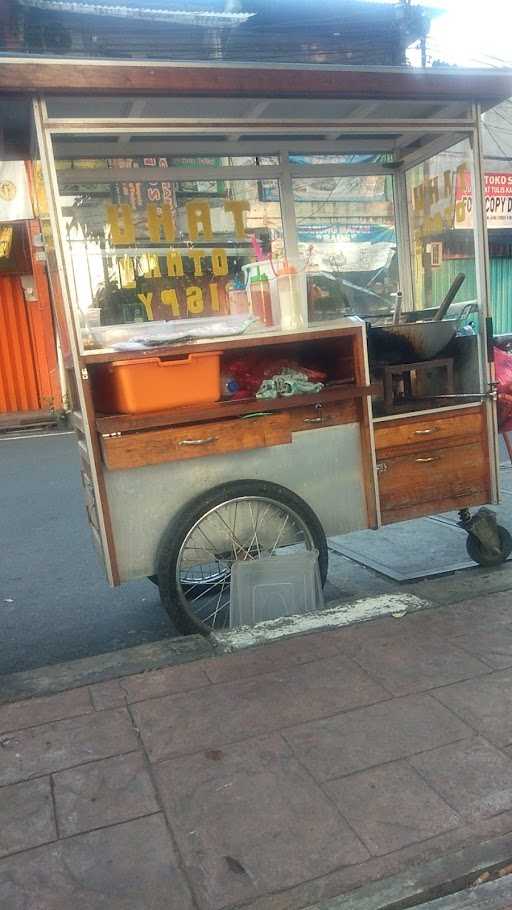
(503, 366)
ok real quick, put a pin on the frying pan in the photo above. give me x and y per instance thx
(408, 342)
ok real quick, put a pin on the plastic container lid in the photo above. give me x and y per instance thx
(276, 586)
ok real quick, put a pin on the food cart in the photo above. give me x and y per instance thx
(347, 203)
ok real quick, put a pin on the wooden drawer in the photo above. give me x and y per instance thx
(447, 430)
(324, 415)
(436, 480)
(134, 450)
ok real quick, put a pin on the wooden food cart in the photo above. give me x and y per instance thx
(166, 188)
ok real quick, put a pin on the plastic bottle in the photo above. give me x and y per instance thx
(288, 286)
(228, 385)
(238, 299)
(261, 299)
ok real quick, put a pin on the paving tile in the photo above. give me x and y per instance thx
(481, 613)
(103, 793)
(369, 736)
(485, 703)
(271, 657)
(472, 776)
(20, 714)
(165, 681)
(126, 867)
(492, 645)
(391, 806)
(447, 621)
(174, 725)
(51, 747)
(26, 816)
(409, 660)
(248, 819)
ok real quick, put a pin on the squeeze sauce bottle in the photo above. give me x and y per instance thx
(261, 300)
(238, 299)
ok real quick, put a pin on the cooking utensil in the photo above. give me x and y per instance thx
(398, 308)
(408, 342)
(450, 296)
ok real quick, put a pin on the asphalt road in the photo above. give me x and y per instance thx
(55, 604)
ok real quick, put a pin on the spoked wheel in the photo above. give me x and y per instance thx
(243, 520)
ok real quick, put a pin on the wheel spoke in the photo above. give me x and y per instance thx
(278, 538)
(254, 538)
(234, 539)
(206, 591)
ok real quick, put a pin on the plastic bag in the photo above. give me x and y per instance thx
(253, 369)
(503, 367)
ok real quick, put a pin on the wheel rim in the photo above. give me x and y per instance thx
(242, 528)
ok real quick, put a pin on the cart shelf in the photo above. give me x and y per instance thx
(125, 423)
(345, 327)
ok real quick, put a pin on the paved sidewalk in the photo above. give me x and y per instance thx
(272, 778)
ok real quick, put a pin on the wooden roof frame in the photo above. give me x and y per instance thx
(127, 77)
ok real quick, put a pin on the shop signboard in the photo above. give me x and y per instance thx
(498, 201)
(15, 202)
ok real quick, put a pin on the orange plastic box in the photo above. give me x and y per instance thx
(157, 384)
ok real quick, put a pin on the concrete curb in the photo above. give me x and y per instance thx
(58, 677)
(422, 884)
(172, 651)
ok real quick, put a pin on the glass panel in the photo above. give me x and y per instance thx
(353, 158)
(439, 196)
(136, 160)
(145, 250)
(419, 363)
(346, 232)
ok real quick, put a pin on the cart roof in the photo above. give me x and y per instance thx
(405, 87)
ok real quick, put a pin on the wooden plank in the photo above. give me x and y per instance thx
(436, 506)
(121, 423)
(88, 417)
(369, 484)
(323, 415)
(443, 475)
(415, 433)
(136, 450)
(238, 342)
(23, 74)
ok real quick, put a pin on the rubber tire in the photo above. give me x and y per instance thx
(187, 517)
(479, 555)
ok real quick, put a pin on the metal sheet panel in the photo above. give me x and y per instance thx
(324, 466)
(18, 381)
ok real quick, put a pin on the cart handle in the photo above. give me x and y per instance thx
(197, 442)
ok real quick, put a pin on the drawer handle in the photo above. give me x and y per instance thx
(197, 442)
(431, 458)
(316, 419)
(426, 432)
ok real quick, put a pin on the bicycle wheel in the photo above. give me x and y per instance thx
(237, 521)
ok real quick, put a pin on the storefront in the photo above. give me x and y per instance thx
(30, 391)
(298, 238)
